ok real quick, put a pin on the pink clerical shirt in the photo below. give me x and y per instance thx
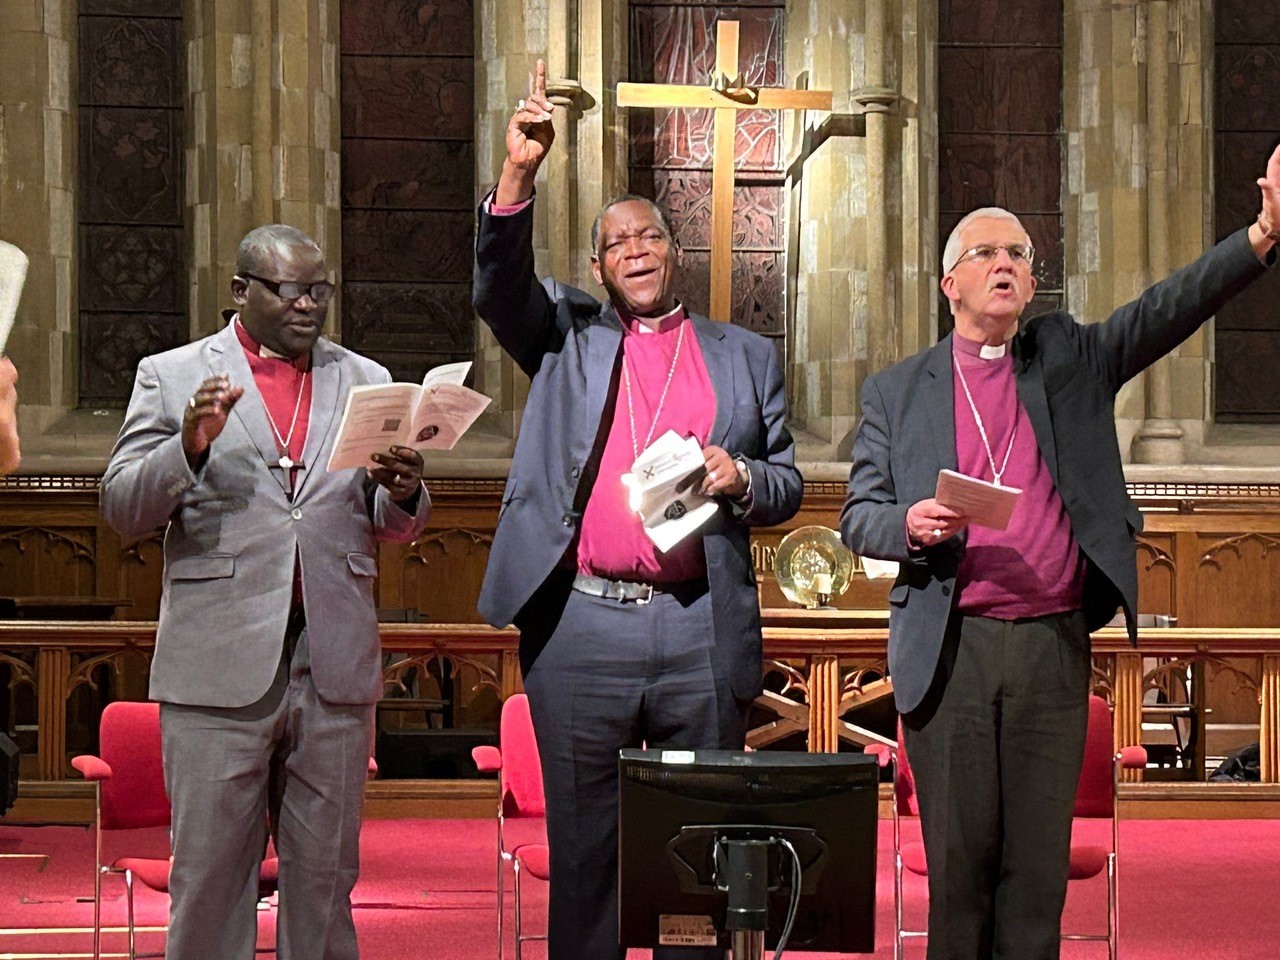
(612, 542)
(285, 387)
(1034, 567)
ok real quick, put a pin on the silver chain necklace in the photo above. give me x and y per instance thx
(631, 413)
(286, 462)
(982, 430)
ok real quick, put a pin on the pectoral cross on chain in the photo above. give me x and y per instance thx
(287, 464)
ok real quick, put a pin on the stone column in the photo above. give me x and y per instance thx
(862, 189)
(1160, 438)
(263, 138)
(37, 191)
(1136, 198)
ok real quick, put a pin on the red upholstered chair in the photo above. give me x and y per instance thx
(128, 777)
(1095, 799)
(519, 771)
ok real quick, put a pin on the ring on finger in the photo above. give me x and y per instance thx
(192, 403)
(520, 105)
(937, 532)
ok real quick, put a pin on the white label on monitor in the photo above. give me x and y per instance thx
(677, 756)
(679, 930)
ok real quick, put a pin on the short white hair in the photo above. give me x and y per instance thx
(951, 252)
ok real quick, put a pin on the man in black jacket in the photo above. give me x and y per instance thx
(989, 629)
(620, 642)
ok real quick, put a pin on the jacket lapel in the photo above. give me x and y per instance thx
(939, 400)
(1030, 380)
(327, 392)
(600, 356)
(719, 362)
(227, 356)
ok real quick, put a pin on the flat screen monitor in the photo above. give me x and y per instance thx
(675, 804)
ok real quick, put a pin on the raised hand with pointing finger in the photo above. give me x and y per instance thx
(529, 137)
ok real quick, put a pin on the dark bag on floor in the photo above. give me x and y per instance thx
(1243, 766)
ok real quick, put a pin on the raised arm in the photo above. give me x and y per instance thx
(507, 295)
(1140, 333)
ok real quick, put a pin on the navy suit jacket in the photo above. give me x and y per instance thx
(1067, 375)
(570, 345)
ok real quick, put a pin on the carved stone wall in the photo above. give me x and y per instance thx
(407, 182)
(132, 255)
(1246, 115)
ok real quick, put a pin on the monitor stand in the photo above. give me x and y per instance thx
(746, 945)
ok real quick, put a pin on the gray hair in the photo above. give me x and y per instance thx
(951, 252)
(275, 238)
(661, 214)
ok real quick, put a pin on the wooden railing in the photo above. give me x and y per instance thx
(829, 664)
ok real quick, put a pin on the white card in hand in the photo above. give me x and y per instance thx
(13, 273)
(981, 502)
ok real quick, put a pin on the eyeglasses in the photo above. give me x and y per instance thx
(986, 252)
(288, 290)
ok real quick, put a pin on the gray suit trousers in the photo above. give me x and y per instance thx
(290, 755)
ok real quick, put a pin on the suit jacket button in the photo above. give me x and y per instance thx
(946, 590)
(567, 519)
(575, 473)
(296, 513)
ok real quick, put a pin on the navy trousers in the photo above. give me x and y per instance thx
(609, 675)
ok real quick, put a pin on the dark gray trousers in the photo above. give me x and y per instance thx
(996, 750)
(614, 675)
(291, 754)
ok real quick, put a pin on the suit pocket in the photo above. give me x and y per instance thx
(215, 567)
(898, 593)
(362, 565)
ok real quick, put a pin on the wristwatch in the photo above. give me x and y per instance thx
(745, 473)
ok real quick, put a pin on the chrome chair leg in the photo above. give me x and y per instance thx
(128, 895)
(515, 863)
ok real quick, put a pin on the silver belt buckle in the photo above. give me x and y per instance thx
(646, 597)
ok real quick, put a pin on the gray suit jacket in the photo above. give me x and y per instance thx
(1067, 375)
(570, 345)
(232, 533)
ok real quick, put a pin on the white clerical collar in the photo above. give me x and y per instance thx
(984, 351)
(642, 327)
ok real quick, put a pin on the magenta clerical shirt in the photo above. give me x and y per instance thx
(1034, 567)
(612, 542)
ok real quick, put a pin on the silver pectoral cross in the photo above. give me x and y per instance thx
(287, 464)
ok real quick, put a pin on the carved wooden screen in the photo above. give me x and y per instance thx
(408, 182)
(1000, 135)
(670, 150)
(1247, 128)
(132, 274)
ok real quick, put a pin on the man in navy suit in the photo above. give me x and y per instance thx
(620, 643)
(989, 629)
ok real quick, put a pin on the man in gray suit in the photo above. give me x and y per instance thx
(989, 629)
(267, 662)
(620, 642)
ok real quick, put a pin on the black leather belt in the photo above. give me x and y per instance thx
(627, 591)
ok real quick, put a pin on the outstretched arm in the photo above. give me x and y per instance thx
(507, 295)
(1140, 333)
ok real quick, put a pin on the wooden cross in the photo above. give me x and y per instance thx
(726, 95)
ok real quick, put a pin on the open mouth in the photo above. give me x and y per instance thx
(1003, 286)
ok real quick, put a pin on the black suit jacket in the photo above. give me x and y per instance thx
(570, 345)
(1068, 375)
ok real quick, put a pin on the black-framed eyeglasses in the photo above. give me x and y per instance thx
(986, 252)
(320, 292)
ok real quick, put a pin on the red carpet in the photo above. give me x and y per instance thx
(1203, 889)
